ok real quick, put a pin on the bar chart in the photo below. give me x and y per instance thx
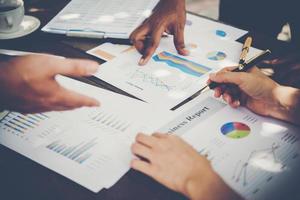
(102, 119)
(19, 124)
(76, 151)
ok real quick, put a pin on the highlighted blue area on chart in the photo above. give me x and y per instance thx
(182, 64)
(221, 33)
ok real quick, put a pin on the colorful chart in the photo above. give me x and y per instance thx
(216, 56)
(235, 130)
(184, 65)
(221, 33)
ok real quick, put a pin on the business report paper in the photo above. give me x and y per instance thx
(90, 146)
(169, 78)
(256, 156)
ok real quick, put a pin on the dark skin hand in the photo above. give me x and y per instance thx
(169, 16)
(28, 84)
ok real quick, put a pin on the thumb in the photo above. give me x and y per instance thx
(75, 67)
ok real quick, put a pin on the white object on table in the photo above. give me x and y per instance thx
(101, 18)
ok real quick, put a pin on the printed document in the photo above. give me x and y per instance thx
(101, 18)
(258, 157)
(90, 146)
(169, 78)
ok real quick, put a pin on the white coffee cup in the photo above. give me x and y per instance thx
(11, 15)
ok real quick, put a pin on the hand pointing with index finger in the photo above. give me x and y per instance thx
(169, 16)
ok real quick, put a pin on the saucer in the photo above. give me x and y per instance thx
(29, 25)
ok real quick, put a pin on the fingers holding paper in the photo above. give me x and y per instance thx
(169, 16)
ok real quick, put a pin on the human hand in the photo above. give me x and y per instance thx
(169, 16)
(28, 85)
(178, 166)
(252, 89)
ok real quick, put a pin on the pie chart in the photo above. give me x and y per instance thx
(216, 56)
(235, 130)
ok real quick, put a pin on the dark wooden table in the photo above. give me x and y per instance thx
(21, 178)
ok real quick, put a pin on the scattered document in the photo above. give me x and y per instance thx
(101, 18)
(90, 146)
(168, 78)
(196, 28)
(258, 157)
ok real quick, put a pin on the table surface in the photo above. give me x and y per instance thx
(20, 178)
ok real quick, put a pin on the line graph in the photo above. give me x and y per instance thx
(150, 79)
(241, 170)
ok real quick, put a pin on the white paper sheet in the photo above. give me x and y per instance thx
(199, 27)
(169, 78)
(258, 157)
(114, 18)
(90, 146)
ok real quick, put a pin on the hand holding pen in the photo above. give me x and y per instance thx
(243, 65)
(245, 85)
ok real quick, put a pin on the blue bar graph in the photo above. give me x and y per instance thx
(20, 124)
(78, 152)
